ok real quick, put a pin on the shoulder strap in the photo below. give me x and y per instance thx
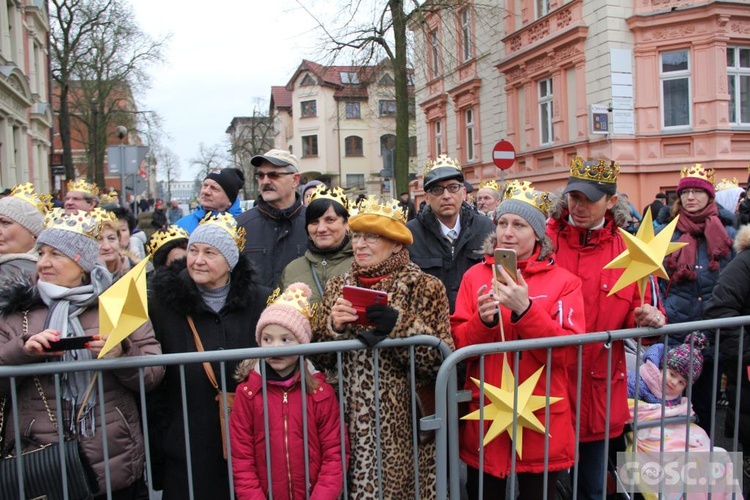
(199, 345)
(317, 280)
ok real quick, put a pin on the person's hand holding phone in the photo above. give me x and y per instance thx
(342, 313)
(97, 344)
(487, 305)
(40, 344)
(514, 296)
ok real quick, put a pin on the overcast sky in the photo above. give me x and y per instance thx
(221, 58)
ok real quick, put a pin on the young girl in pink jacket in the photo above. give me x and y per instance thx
(286, 322)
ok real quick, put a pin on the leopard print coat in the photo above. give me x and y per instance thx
(422, 304)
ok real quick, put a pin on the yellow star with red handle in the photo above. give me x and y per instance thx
(644, 255)
(500, 408)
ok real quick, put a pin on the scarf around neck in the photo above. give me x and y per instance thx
(65, 305)
(693, 227)
(384, 271)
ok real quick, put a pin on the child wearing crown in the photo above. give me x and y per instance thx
(285, 322)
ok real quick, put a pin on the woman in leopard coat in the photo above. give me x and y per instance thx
(417, 305)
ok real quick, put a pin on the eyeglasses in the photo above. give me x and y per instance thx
(368, 237)
(695, 192)
(274, 176)
(439, 190)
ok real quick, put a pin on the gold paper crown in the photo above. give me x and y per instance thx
(81, 186)
(389, 209)
(295, 298)
(525, 192)
(697, 171)
(596, 170)
(81, 223)
(42, 202)
(107, 198)
(102, 215)
(164, 236)
(491, 184)
(336, 194)
(228, 224)
(727, 184)
(442, 161)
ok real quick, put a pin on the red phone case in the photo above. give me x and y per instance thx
(361, 298)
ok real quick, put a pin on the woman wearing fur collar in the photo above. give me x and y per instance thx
(219, 291)
(63, 304)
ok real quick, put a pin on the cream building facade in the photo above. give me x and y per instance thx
(25, 112)
(653, 84)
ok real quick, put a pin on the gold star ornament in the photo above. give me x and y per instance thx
(644, 255)
(500, 408)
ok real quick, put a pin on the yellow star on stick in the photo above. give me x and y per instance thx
(644, 255)
(500, 408)
(123, 307)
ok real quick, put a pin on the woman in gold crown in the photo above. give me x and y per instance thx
(21, 221)
(329, 251)
(63, 304)
(220, 294)
(541, 300)
(417, 305)
(694, 269)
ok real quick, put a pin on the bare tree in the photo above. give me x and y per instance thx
(169, 168)
(209, 159)
(249, 136)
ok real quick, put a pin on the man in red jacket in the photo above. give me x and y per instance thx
(583, 229)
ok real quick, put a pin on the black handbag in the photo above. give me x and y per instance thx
(42, 467)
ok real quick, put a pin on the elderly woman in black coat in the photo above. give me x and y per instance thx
(219, 291)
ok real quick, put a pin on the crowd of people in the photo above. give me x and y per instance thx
(211, 287)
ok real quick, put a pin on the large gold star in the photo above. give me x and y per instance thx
(644, 255)
(500, 408)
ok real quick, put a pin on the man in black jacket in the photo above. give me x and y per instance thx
(275, 226)
(448, 234)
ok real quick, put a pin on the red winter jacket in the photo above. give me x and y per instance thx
(585, 253)
(287, 438)
(556, 309)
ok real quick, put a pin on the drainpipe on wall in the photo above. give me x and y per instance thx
(338, 141)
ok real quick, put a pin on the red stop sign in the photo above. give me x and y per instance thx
(503, 154)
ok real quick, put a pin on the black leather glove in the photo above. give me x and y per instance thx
(384, 318)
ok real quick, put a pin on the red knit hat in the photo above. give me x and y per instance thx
(696, 177)
(291, 310)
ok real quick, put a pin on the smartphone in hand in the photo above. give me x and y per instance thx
(505, 258)
(69, 343)
(362, 298)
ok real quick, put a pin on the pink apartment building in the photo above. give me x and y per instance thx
(652, 84)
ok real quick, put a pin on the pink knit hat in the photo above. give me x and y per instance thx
(291, 310)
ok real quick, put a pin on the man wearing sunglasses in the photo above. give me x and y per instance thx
(448, 234)
(276, 224)
(218, 195)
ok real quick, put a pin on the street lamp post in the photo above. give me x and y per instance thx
(122, 132)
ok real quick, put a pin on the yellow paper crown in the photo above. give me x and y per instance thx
(727, 184)
(295, 296)
(390, 209)
(491, 184)
(336, 194)
(43, 202)
(442, 161)
(228, 224)
(164, 236)
(697, 171)
(102, 215)
(81, 186)
(596, 170)
(525, 192)
(81, 223)
(107, 198)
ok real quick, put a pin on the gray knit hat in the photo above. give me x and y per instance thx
(533, 216)
(219, 238)
(22, 212)
(74, 235)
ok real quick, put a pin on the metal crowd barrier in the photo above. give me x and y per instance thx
(445, 422)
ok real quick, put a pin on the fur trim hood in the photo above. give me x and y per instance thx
(181, 295)
(620, 212)
(17, 294)
(742, 240)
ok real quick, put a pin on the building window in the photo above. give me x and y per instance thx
(675, 88)
(438, 127)
(387, 143)
(738, 75)
(309, 145)
(353, 146)
(355, 181)
(434, 53)
(309, 109)
(386, 81)
(387, 107)
(466, 51)
(349, 77)
(352, 110)
(308, 81)
(412, 146)
(545, 111)
(469, 135)
(542, 8)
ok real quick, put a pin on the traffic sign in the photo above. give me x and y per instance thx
(503, 154)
